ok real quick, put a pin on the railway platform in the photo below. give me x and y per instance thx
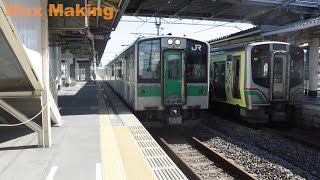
(308, 115)
(101, 139)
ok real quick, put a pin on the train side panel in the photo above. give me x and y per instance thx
(228, 75)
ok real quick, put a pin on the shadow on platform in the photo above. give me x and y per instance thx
(10, 133)
(18, 147)
(79, 100)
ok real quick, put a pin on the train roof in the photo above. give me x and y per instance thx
(166, 36)
(243, 46)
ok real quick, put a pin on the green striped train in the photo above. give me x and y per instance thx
(261, 81)
(162, 78)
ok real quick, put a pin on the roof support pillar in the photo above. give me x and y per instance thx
(95, 53)
(59, 70)
(313, 67)
(46, 120)
(76, 70)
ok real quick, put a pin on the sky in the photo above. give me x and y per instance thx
(130, 28)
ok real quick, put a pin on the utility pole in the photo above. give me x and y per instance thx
(158, 24)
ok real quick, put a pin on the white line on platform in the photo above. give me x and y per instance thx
(98, 171)
(52, 173)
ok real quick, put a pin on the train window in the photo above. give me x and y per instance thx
(296, 66)
(149, 61)
(119, 71)
(278, 70)
(128, 70)
(173, 67)
(197, 60)
(260, 61)
(122, 69)
(219, 80)
(236, 77)
(112, 68)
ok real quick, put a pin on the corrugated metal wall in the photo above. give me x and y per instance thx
(29, 30)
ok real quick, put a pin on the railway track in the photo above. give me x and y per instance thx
(198, 161)
(299, 148)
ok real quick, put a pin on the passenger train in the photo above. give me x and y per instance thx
(163, 77)
(260, 81)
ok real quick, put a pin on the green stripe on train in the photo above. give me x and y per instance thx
(155, 91)
(197, 91)
(297, 95)
(150, 91)
(254, 93)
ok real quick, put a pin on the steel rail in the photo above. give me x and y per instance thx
(221, 159)
(179, 161)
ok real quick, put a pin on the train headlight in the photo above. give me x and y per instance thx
(170, 41)
(177, 42)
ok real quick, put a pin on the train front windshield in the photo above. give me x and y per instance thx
(197, 62)
(261, 57)
(296, 66)
(260, 62)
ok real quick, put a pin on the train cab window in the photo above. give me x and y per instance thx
(236, 76)
(149, 61)
(296, 66)
(197, 62)
(260, 63)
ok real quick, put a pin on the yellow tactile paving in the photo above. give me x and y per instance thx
(112, 167)
(121, 157)
(135, 165)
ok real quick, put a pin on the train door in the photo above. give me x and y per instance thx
(279, 77)
(174, 81)
(219, 78)
(236, 77)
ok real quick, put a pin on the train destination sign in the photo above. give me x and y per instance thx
(60, 10)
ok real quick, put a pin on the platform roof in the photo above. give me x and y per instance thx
(309, 28)
(258, 12)
(75, 34)
(297, 32)
(80, 35)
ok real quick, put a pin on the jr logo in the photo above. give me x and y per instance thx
(196, 47)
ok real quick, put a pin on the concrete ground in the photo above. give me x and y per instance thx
(75, 153)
